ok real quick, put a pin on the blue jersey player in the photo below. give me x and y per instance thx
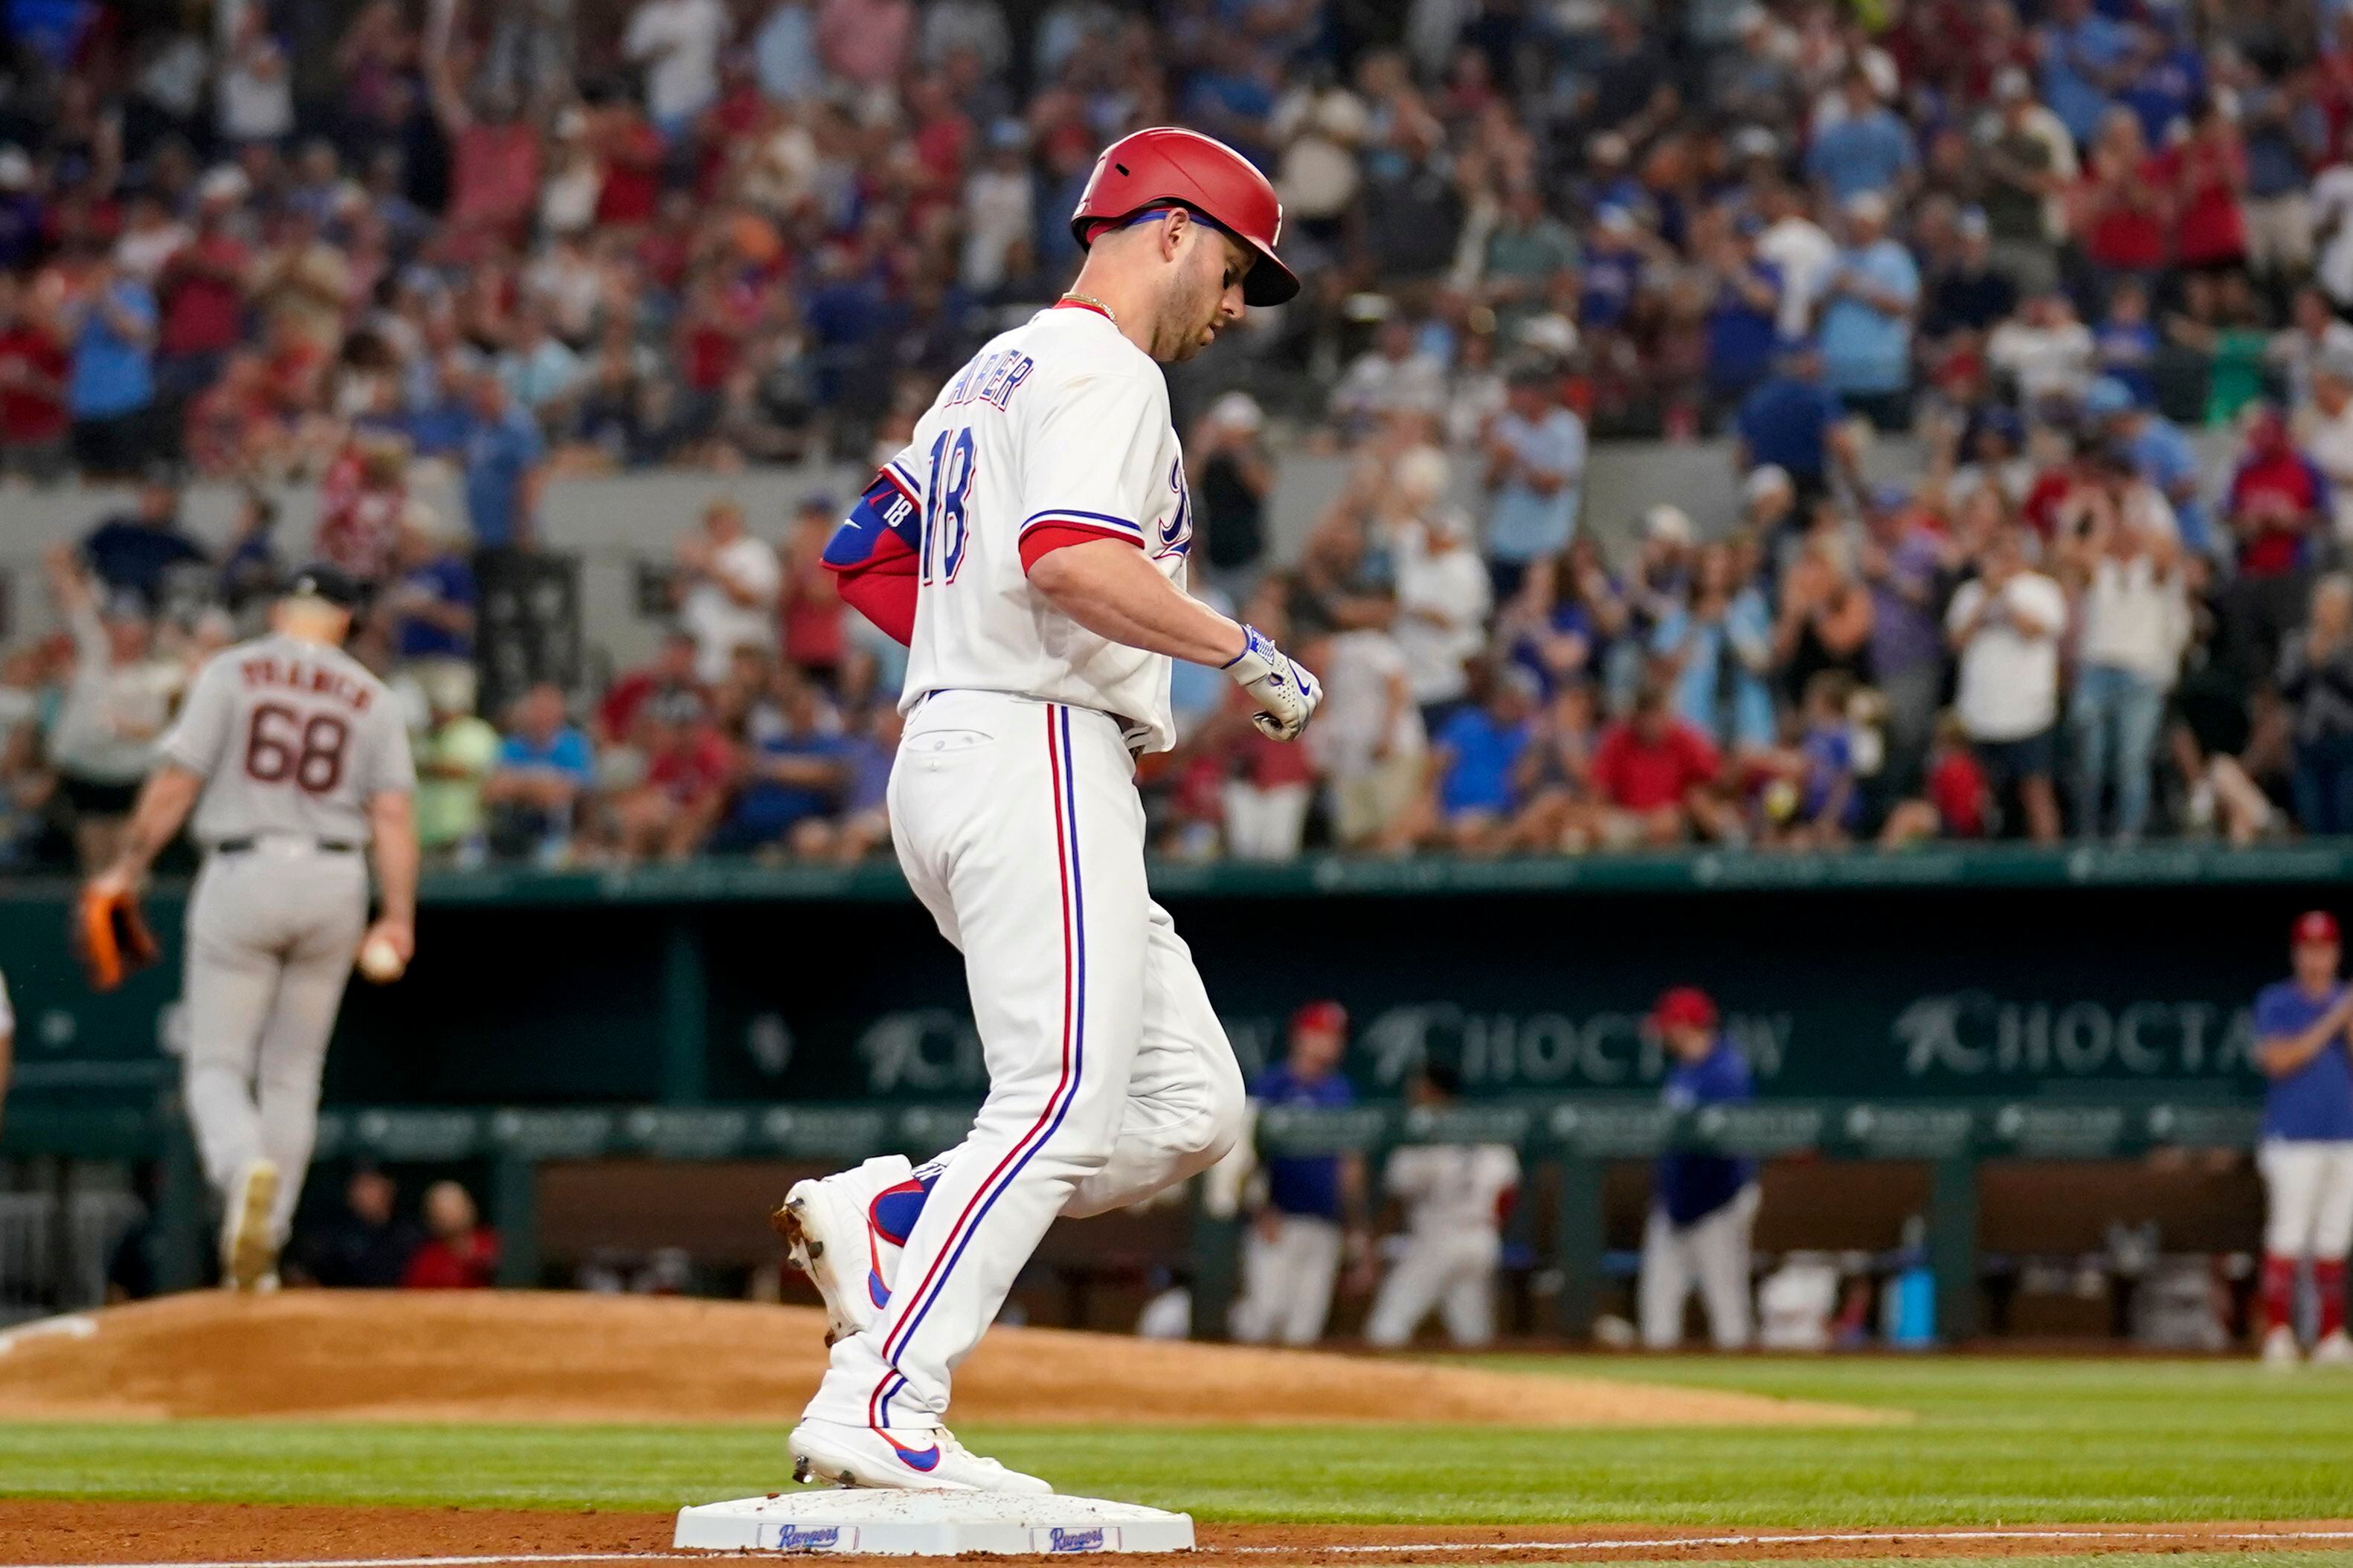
(2306, 1155)
(1703, 1206)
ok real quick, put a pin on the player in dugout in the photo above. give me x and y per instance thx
(2307, 1153)
(1704, 1207)
(1314, 1207)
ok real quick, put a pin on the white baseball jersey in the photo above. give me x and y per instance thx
(1058, 429)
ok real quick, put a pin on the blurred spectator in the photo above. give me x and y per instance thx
(728, 581)
(505, 459)
(2004, 626)
(2325, 435)
(34, 371)
(1442, 592)
(1535, 464)
(1866, 331)
(1654, 776)
(546, 768)
(1863, 150)
(1477, 786)
(365, 1247)
(689, 767)
(1396, 376)
(109, 322)
(1367, 742)
(2161, 453)
(1902, 563)
(115, 707)
(1791, 423)
(136, 552)
(2133, 619)
(456, 754)
(2315, 677)
(431, 597)
(813, 625)
(1230, 482)
(1957, 801)
(794, 778)
(677, 43)
(1716, 648)
(671, 671)
(460, 1253)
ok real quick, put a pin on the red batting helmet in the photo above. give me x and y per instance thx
(1168, 167)
(2315, 926)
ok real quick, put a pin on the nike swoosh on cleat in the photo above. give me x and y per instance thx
(927, 1460)
(874, 1291)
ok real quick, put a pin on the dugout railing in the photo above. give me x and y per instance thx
(1566, 1142)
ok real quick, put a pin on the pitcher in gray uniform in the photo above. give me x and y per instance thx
(294, 760)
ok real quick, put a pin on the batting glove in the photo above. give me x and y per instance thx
(1286, 694)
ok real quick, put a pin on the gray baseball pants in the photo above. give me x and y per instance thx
(271, 934)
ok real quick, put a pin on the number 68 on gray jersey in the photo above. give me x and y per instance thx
(292, 738)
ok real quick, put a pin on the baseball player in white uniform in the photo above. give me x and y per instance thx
(1453, 1195)
(1029, 544)
(294, 760)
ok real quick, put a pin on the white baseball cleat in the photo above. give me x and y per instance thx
(829, 1234)
(902, 1460)
(2333, 1350)
(2280, 1347)
(249, 1249)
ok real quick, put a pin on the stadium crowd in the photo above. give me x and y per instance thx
(2047, 243)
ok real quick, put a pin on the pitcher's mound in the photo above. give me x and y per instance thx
(527, 1357)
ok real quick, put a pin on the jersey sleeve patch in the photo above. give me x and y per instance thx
(886, 523)
(1049, 531)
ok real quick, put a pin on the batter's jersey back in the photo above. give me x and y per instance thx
(292, 738)
(1058, 429)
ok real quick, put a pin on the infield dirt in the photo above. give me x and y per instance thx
(144, 1533)
(515, 1356)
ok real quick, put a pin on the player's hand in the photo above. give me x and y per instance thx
(1287, 695)
(401, 935)
(114, 882)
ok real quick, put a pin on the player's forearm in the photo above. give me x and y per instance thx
(1109, 587)
(394, 846)
(164, 802)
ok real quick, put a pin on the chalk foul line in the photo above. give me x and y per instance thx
(2154, 1534)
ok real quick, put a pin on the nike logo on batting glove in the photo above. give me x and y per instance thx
(1287, 694)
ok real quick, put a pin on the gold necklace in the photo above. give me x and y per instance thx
(1090, 300)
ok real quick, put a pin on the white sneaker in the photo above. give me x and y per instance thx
(2280, 1347)
(829, 1233)
(2333, 1350)
(903, 1459)
(249, 1249)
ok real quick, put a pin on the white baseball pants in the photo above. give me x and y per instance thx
(1454, 1271)
(271, 932)
(1287, 1281)
(2308, 1198)
(1711, 1253)
(1109, 1076)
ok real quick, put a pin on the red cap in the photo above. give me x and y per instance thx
(1325, 1018)
(1165, 166)
(1686, 1007)
(2315, 926)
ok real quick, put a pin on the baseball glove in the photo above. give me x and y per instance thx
(111, 938)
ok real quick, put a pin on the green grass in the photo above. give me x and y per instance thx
(1989, 1442)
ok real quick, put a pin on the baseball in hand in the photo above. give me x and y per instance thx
(380, 961)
